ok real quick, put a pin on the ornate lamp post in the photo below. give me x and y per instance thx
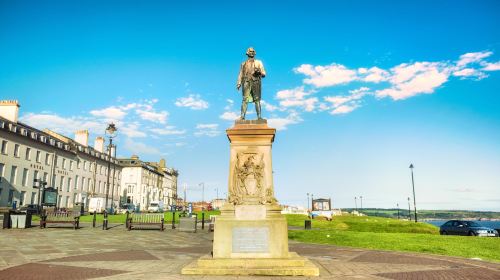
(40, 185)
(202, 195)
(110, 133)
(413, 185)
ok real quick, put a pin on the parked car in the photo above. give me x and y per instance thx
(156, 207)
(457, 227)
(130, 207)
(33, 209)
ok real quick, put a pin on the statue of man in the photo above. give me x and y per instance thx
(251, 73)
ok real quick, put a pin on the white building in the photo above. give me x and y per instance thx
(144, 182)
(75, 169)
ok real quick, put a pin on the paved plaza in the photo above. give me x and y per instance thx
(91, 253)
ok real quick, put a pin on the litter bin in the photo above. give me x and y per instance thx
(6, 220)
(307, 224)
(19, 219)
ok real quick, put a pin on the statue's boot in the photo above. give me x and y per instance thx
(257, 108)
(243, 110)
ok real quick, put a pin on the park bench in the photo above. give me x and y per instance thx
(60, 217)
(140, 219)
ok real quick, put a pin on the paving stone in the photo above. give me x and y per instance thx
(448, 274)
(53, 272)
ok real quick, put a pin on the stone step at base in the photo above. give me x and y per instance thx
(293, 261)
(270, 267)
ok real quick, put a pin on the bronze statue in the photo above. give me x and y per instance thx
(251, 73)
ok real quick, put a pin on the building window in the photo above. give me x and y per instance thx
(21, 199)
(38, 156)
(46, 177)
(11, 197)
(2, 168)
(74, 198)
(89, 184)
(56, 160)
(16, 150)
(70, 165)
(54, 178)
(61, 183)
(35, 175)
(13, 175)
(63, 165)
(78, 164)
(28, 154)
(33, 198)
(76, 182)
(47, 159)
(66, 201)
(25, 177)
(68, 187)
(85, 165)
(4, 147)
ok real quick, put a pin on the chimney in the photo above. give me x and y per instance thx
(99, 144)
(9, 109)
(82, 137)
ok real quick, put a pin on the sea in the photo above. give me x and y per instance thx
(490, 224)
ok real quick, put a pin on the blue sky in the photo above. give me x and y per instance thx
(358, 90)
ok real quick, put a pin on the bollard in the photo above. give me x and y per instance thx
(105, 221)
(173, 220)
(93, 220)
(126, 219)
(202, 220)
(307, 224)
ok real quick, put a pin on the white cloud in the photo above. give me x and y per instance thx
(412, 79)
(111, 113)
(474, 57)
(150, 115)
(325, 76)
(269, 107)
(374, 75)
(139, 148)
(229, 116)
(343, 109)
(193, 101)
(296, 97)
(209, 129)
(491, 66)
(64, 125)
(470, 72)
(132, 130)
(169, 130)
(345, 104)
(281, 123)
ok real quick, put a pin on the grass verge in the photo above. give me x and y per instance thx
(394, 235)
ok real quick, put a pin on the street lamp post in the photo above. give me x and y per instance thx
(413, 185)
(111, 133)
(361, 201)
(307, 202)
(398, 209)
(113, 183)
(409, 209)
(356, 203)
(40, 185)
(202, 195)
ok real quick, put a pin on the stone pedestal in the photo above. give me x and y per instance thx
(251, 235)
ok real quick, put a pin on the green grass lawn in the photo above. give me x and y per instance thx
(392, 234)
